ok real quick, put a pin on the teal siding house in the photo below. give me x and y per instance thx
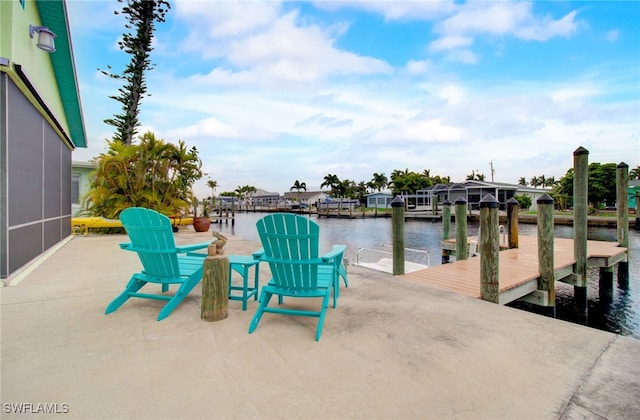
(381, 200)
(41, 123)
(80, 184)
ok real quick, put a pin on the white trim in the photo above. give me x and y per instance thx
(17, 276)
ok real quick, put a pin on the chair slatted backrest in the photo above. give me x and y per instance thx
(291, 246)
(152, 238)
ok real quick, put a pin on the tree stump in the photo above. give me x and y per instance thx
(215, 282)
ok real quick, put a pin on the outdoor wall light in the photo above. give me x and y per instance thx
(45, 38)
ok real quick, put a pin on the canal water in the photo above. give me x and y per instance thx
(618, 312)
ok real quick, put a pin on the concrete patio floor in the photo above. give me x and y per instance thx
(392, 349)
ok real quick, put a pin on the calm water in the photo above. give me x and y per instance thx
(618, 313)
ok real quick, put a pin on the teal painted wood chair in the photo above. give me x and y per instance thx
(291, 248)
(163, 262)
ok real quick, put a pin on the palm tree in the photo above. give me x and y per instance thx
(379, 181)
(437, 179)
(241, 191)
(534, 182)
(153, 174)
(542, 180)
(471, 176)
(635, 173)
(331, 181)
(213, 185)
(298, 186)
(522, 181)
(550, 182)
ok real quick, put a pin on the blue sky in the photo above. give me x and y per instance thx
(272, 92)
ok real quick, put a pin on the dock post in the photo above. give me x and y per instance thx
(637, 210)
(215, 286)
(605, 285)
(622, 207)
(397, 224)
(580, 208)
(489, 249)
(446, 227)
(512, 222)
(233, 212)
(462, 250)
(546, 282)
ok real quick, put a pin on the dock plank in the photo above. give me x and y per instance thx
(517, 267)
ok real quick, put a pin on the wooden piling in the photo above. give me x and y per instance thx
(580, 208)
(215, 287)
(446, 227)
(605, 284)
(462, 250)
(622, 207)
(446, 219)
(546, 282)
(637, 210)
(233, 212)
(512, 222)
(434, 205)
(489, 249)
(397, 227)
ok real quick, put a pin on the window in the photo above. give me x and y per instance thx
(75, 189)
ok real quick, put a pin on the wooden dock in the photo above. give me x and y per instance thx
(518, 269)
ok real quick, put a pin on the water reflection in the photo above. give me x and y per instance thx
(615, 309)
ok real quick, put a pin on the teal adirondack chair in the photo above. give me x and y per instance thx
(152, 238)
(290, 247)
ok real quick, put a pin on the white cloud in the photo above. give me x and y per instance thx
(480, 17)
(414, 67)
(542, 30)
(286, 51)
(506, 18)
(450, 42)
(230, 18)
(462, 56)
(501, 19)
(396, 9)
(567, 93)
(209, 127)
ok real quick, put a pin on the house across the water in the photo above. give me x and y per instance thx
(472, 191)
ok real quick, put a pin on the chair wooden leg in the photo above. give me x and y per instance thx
(265, 297)
(133, 286)
(343, 274)
(181, 293)
(325, 303)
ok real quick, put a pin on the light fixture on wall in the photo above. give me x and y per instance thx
(45, 38)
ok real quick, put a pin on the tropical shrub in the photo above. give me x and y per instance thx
(524, 201)
(153, 173)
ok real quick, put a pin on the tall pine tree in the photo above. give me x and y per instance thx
(141, 16)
